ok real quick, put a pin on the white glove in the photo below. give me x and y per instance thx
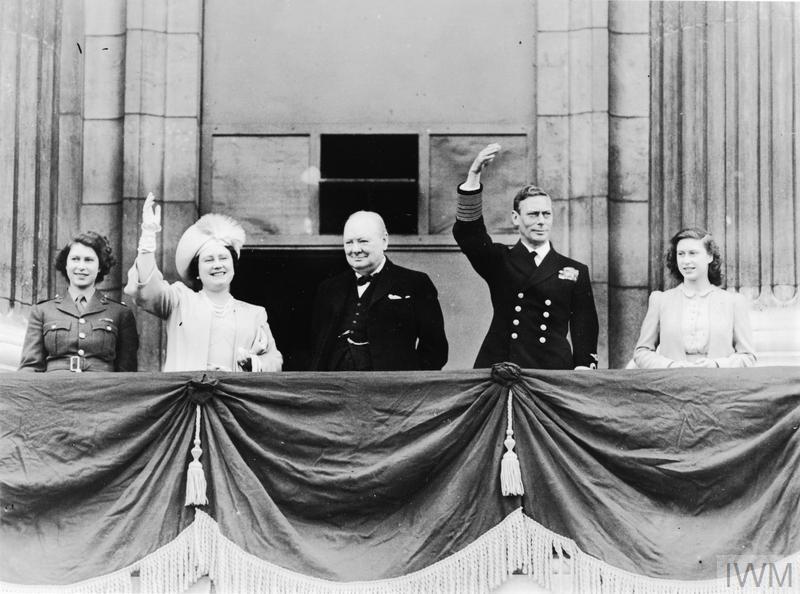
(151, 224)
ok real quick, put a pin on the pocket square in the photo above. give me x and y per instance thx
(568, 273)
(393, 296)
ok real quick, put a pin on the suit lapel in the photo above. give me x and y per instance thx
(345, 284)
(96, 304)
(522, 260)
(546, 269)
(382, 283)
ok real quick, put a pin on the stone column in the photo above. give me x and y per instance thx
(29, 34)
(162, 130)
(103, 93)
(628, 174)
(572, 135)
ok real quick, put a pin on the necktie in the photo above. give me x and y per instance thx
(81, 303)
(533, 259)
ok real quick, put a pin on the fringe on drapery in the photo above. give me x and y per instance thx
(518, 544)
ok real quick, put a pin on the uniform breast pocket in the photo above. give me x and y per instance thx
(56, 337)
(104, 337)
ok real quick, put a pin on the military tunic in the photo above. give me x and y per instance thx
(102, 338)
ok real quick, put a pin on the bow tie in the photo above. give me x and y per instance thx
(363, 280)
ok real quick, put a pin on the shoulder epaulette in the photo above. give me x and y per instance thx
(108, 298)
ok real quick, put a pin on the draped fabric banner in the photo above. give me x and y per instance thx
(390, 482)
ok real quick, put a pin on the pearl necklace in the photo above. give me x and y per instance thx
(220, 311)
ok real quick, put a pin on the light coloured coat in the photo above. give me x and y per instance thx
(188, 315)
(730, 341)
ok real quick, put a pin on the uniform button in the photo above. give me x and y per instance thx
(542, 339)
(514, 335)
(53, 327)
(108, 327)
(81, 335)
(81, 321)
(543, 327)
(546, 314)
(520, 295)
(547, 302)
(518, 308)
(515, 322)
(81, 352)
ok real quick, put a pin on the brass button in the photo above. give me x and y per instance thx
(514, 335)
(81, 335)
(518, 308)
(543, 327)
(53, 327)
(546, 314)
(108, 327)
(542, 339)
(520, 295)
(81, 352)
(515, 322)
(547, 302)
(81, 321)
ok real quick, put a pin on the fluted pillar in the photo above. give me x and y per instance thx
(29, 33)
(628, 162)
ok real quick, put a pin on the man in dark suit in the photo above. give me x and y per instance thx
(537, 294)
(377, 316)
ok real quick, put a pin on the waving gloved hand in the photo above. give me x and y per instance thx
(151, 224)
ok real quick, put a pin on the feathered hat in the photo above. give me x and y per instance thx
(207, 227)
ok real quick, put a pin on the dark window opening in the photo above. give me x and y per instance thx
(377, 172)
(285, 283)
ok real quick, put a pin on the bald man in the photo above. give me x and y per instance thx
(377, 316)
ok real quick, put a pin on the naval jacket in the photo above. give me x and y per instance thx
(534, 307)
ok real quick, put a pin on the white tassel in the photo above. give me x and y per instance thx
(510, 473)
(195, 479)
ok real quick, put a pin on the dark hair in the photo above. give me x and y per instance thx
(714, 268)
(99, 243)
(527, 192)
(194, 268)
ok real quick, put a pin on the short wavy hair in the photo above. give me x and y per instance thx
(527, 192)
(100, 245)
(714, 268)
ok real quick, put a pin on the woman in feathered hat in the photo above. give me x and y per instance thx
(206, 327)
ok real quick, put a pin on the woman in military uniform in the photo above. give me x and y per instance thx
(83, 330)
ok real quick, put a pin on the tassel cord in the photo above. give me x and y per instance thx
(510, 472)
(195, 478)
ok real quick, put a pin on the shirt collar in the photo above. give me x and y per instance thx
(374, 272)
(689, 293)
(76, 293)
(541, 251)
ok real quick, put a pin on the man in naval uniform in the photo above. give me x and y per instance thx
(378, 316)
(537, 294)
